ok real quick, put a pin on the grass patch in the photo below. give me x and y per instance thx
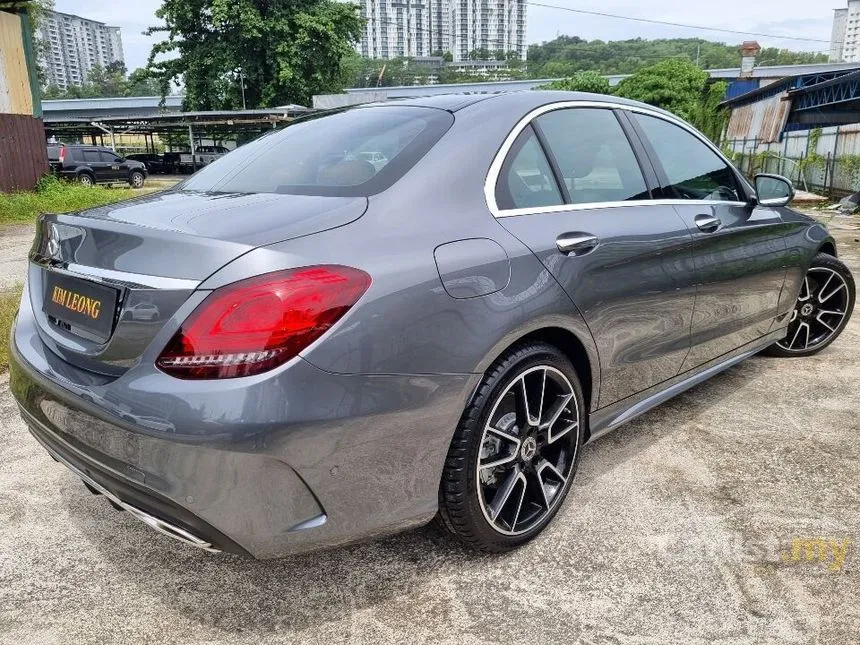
(8, 307)
(53, 195)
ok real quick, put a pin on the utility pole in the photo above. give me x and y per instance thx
(242, 81)
(698, 53)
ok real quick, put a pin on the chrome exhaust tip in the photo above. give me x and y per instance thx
(155, 523)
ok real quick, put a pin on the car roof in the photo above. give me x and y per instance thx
(522, 99)
(449, 102)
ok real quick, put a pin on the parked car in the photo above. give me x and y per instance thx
(203, 156)
(337, 351)
(95, 165)
(155, 163)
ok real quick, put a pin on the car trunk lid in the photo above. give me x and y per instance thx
(104, 282)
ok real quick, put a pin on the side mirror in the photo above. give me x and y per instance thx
(773, 190)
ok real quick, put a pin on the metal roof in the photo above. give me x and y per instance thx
(55, 105)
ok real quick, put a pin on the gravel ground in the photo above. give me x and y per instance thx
(680, 528)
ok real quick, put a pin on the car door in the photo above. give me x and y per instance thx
(116, 167)
(739, 247)
(573, 190)
(92, 159)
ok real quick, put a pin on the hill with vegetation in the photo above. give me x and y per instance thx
(567, 55)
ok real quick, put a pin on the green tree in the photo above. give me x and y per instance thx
(708, 116)
(288, 50)
(448, 57)
(675, 85)
(140, 83)
(582, 82)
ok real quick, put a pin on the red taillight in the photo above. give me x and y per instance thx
(62, 155)
(254, 325)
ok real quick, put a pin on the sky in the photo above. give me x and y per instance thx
(799, 18)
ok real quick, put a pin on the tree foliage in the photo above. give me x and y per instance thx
(677, 86)
(582, 82)
(567, 55)
(108, 82)
(673, 84)
(287, 50)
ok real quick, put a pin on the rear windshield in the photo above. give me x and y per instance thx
(357, 152)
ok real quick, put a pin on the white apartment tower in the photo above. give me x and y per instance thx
(845, 39)
(415, 28)
(490, 25)
(74, 46)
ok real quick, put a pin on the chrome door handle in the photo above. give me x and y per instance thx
(708, 223)
(576, 243)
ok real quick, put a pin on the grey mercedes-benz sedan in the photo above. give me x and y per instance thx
(403, 311)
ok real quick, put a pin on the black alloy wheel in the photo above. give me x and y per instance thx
(516, 450)
(822, 310)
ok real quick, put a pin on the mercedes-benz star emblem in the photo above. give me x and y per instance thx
(52, 247)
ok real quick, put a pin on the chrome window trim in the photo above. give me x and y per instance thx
(590, 206)
(496, 167)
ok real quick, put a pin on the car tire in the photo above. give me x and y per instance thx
(86, 179)
(136, 179)
(477, 501)
(822, 310)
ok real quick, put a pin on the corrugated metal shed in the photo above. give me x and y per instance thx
(740, 87)
(23, 155)
(763, 120)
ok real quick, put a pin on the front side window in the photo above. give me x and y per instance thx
(526, 180)
(356, 152)
(109, 157)
(593, 155)
(693, 170)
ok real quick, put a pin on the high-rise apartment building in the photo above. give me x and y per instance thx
(845, 39)
(74, 46)
(415, 28)
(488, 26)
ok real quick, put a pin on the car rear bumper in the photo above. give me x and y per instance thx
(262, 489)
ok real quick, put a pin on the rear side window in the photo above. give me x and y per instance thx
(693, 170)
(91, 156)
(526, 179)
(593, 155)
(356, 152)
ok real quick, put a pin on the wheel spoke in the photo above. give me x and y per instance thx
(822, 298)
(507, 458)
(555, 415)
(796, 334)
(542, 392)
(543, 467)
(823, 287)
(524, 480)
(801, 297)
(504, 493)
(524, 415)
(818, 318)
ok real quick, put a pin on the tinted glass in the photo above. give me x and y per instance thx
(693, 169)
(91, 156)
(109, 156)
(593, 155)
(526, 180)
(328, 155)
